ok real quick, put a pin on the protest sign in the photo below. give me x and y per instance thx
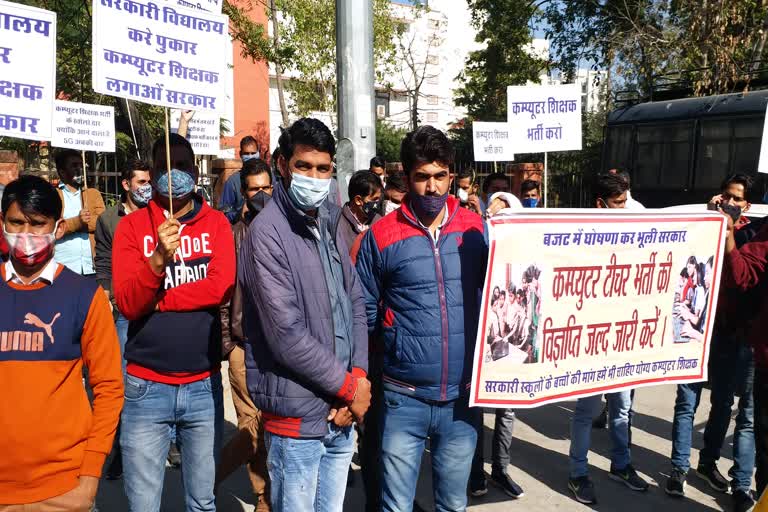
(203, 132)
(544, 117)
(27, 71)
(595, 303)
(491, 142)
(203, 5)
(159, 54)
(84, 127)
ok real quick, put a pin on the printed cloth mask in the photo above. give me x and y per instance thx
(308, 193)
(530, 202)
(182, 184)
(31, 249)
(428, 206)
(142, 195)
(255, 204)
(370, 209)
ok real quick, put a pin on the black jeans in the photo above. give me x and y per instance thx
(369, 446)
(502, 441)
(761, 428)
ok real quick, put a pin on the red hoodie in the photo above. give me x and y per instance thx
(180, 341)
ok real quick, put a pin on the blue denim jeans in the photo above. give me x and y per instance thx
(150, 411)
(309, 475)
(731, 373)
(618, 424)
(452, 428)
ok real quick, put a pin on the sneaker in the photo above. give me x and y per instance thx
(743, 501)
(174, 456)
(502, 479)
(583, 490)
(629, 477)
(602, 420)
(478, 486)
(713, 477)
(676, 483)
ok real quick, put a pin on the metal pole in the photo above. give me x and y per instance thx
(546, 181)
(354, 76)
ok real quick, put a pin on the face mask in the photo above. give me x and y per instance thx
(308, 193)
(142, 195)
(245, 158)
(428, 206)
(30, 249)
(390, 207)
(78, 180)
(256, 204)
(530, 202)
(182, 184)
(370, 209)
(463, 196)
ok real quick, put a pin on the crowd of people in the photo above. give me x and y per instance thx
(337, 322)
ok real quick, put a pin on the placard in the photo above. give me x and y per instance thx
(545, 118)
(160, 54)
(595, 303)
(27, 71)
(491, 142)
(203, 133)
(83, 126)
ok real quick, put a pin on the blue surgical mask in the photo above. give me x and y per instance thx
(182, 184)
(530, 202)
(142, 195)
(308, 193)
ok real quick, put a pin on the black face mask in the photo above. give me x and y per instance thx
(256, 204)
(370, 210)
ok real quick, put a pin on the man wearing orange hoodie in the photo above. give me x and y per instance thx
(52, 323)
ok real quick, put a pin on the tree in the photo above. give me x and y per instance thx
(503, 27)
(388, 140)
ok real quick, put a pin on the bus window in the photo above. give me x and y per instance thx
(713, 155)
(619, 139)
(677, 160)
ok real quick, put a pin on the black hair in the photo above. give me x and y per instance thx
(739, 179)
(174, 139)
(621, 173)
(308, 132)
(529, 185)
(711, 261)
(701, 271)
(377, 161)
(531, 273)
(493, 177)
(254, 167)
(396, 182)
(465, 173)
(424, 145)
(609, 185)
(248, 139)
(363, 183)
(62, 155)
(133, 166)
(34, 195)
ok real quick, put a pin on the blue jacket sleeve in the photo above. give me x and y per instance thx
(370, 271)
(231, 200)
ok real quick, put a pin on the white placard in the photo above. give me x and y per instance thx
(202, 5)
(545, 117)
(203, 132)
(762, 165)
(160, 54)
(83, 126)
(492, 142)
(27, 71)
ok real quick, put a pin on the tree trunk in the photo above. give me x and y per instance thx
(278, 67)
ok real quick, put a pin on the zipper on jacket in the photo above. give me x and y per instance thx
(443, 314)
(318, 242)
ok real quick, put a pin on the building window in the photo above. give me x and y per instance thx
(432, 100)
(382, 104)
(431, 117)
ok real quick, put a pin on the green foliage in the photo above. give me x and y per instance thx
(388, 140)
(503, 26)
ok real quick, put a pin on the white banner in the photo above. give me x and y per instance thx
(202, 5)
(159, 54)
(83, 126)
(203, 132)
(545, 118)
(492, 142)
(27, 71)
(762, 165)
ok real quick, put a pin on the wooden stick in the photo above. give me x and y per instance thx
(85, 183)
(168, 164)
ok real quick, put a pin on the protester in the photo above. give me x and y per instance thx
(530, 193)
(632, 204)
(363, 207)
(466, 192)
(137, 191)
(54, 441)
(422, 270)
(378, 167)
(170, 275)
(247, 445)
(304, 318)
(610, 191)
(495, 182)
(82, 208)
(394, 193)
(231, 197)
(731, 373)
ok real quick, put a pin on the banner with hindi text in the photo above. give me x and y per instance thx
(578, 303)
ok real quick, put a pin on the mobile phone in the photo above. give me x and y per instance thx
(731, 210)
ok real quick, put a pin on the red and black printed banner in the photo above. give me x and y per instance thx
(581, 302)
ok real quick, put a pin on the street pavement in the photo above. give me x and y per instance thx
(539, 465)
